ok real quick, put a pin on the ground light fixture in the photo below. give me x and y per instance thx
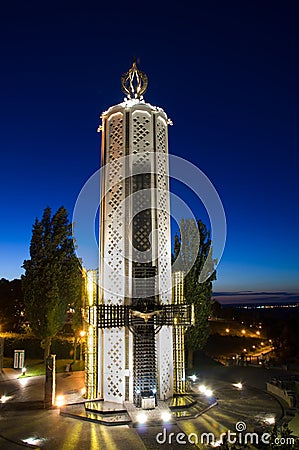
(206, 391)
(165, 416)
(4, 398)
(23, 370)
(238, 385)
(209, 392)
(142, 418)
(193, 378)
(33, 441)
(270, 420)
(60, 401)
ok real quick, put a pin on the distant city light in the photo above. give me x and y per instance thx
(243, 331)
(227, 330)
(258, 333)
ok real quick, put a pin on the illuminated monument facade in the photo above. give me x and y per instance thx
(135, 329)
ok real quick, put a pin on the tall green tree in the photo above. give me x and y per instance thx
(52, 279)
(11, 305)
(193, 255)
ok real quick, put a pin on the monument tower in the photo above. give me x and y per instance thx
(130, 333)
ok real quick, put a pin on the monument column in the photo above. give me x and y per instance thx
(135, 356)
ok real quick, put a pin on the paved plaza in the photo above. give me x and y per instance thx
(23, 422)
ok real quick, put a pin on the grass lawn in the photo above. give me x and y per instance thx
(36, 367)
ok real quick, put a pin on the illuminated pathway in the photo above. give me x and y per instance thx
(50, 431)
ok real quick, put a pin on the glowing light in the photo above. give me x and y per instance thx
(253, 346)
(154, 390)
(244, 349)
(243, 331)
(193, 377)
(209, 393)
(258, 333)
(83, 391)
(206, 391)
(227, 330)
(4, 398)
(238, 385)
(270, 420)
(165, 416)
(60, 401)
(142, 418)
(24, 381)
(24, 370)
(217, 443)
(262, 343)
(90, 290)
(82, 333)
(33, 441)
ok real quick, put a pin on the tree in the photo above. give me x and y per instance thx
(11, 305)
(52, 279)
(193, 255)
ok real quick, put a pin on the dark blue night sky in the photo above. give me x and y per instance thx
(227, 75)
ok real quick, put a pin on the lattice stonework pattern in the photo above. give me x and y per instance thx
(141, 133)
(114, 231)
(161, 135)
(163, 209)
(137, 130)
(114, 376)
(112, 261)
(165, 362)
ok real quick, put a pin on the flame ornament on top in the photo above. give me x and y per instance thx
(134, 82)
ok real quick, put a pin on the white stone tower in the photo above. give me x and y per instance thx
(135, 357)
